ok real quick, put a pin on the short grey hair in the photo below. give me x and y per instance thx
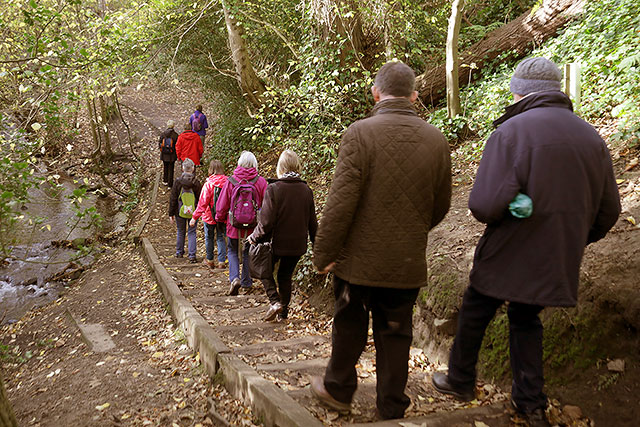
(247, 160)
(188, 166)
(170, 124)
(396, 79)
(288, 162)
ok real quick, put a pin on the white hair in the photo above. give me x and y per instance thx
(248, 160)
(170, 124)
(188, 165)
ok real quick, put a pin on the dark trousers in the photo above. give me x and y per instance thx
(285, 271)
(391, 311)
(525, 346)
(167, 173)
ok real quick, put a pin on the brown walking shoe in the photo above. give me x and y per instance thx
(320, 392)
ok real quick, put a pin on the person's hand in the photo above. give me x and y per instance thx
(192, 223)
(327, 269)
(251, 241)
(172, 220)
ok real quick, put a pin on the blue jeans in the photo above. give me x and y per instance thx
(182, 224)
(219, 232)
(234, 263)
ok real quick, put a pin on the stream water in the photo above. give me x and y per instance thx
(43, 252)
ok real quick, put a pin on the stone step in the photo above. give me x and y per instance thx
(296, 366)
(300, 342)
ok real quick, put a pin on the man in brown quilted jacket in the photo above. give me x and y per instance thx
(392, 184)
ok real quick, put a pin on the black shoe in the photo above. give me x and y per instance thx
(179, 255)
(441, 383)
(193, 260)
(535, 418)
(234, 287)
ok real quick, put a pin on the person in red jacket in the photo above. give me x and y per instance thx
(189, 145)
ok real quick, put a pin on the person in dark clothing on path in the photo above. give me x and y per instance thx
(288, 214)
(201, 125)
(186, 183)
(392, 184)
(167, 146)
(541, 149)
(189, 146)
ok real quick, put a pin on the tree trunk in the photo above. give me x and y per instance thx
(7, 418)
(519, 35)
(453, 62)
(104, 121)
(340, 20)
(94, 133)
(250, 84)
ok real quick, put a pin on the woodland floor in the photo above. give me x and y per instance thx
(152, 378)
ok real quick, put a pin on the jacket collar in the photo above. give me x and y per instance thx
(290, 179)
(394, 106)
(550, 98)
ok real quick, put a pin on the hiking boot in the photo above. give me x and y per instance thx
(441, 383)
(234, 287)
(179, 255)
(535, 418)
(274, 310)
(221, 265)
(320, 392)
(192, 260)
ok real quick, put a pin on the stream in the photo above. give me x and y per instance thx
(47, 253)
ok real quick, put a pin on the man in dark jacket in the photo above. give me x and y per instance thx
(167, 146)
(392, 184)
(189, 145)
(559, 161)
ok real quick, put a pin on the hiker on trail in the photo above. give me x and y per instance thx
(288, 214)
(189, 145)
(543, 150)
(392, 184)
(167, 146)
(213, 231)
(199, 124)
(238, 206)
(182, 204)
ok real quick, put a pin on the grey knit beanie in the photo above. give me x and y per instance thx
(535, 75)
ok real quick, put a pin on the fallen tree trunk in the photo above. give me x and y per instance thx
(530, 28)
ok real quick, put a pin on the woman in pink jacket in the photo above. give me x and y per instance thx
(207, 210)
(246, 174)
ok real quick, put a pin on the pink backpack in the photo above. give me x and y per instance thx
(243, 213)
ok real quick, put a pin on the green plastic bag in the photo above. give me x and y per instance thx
(521, 206)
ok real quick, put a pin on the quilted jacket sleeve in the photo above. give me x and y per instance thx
(342, 201)
(442, 188)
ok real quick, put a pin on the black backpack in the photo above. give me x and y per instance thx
(214, 200)
(167, 145)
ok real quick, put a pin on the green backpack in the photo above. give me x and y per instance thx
(187, 203)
